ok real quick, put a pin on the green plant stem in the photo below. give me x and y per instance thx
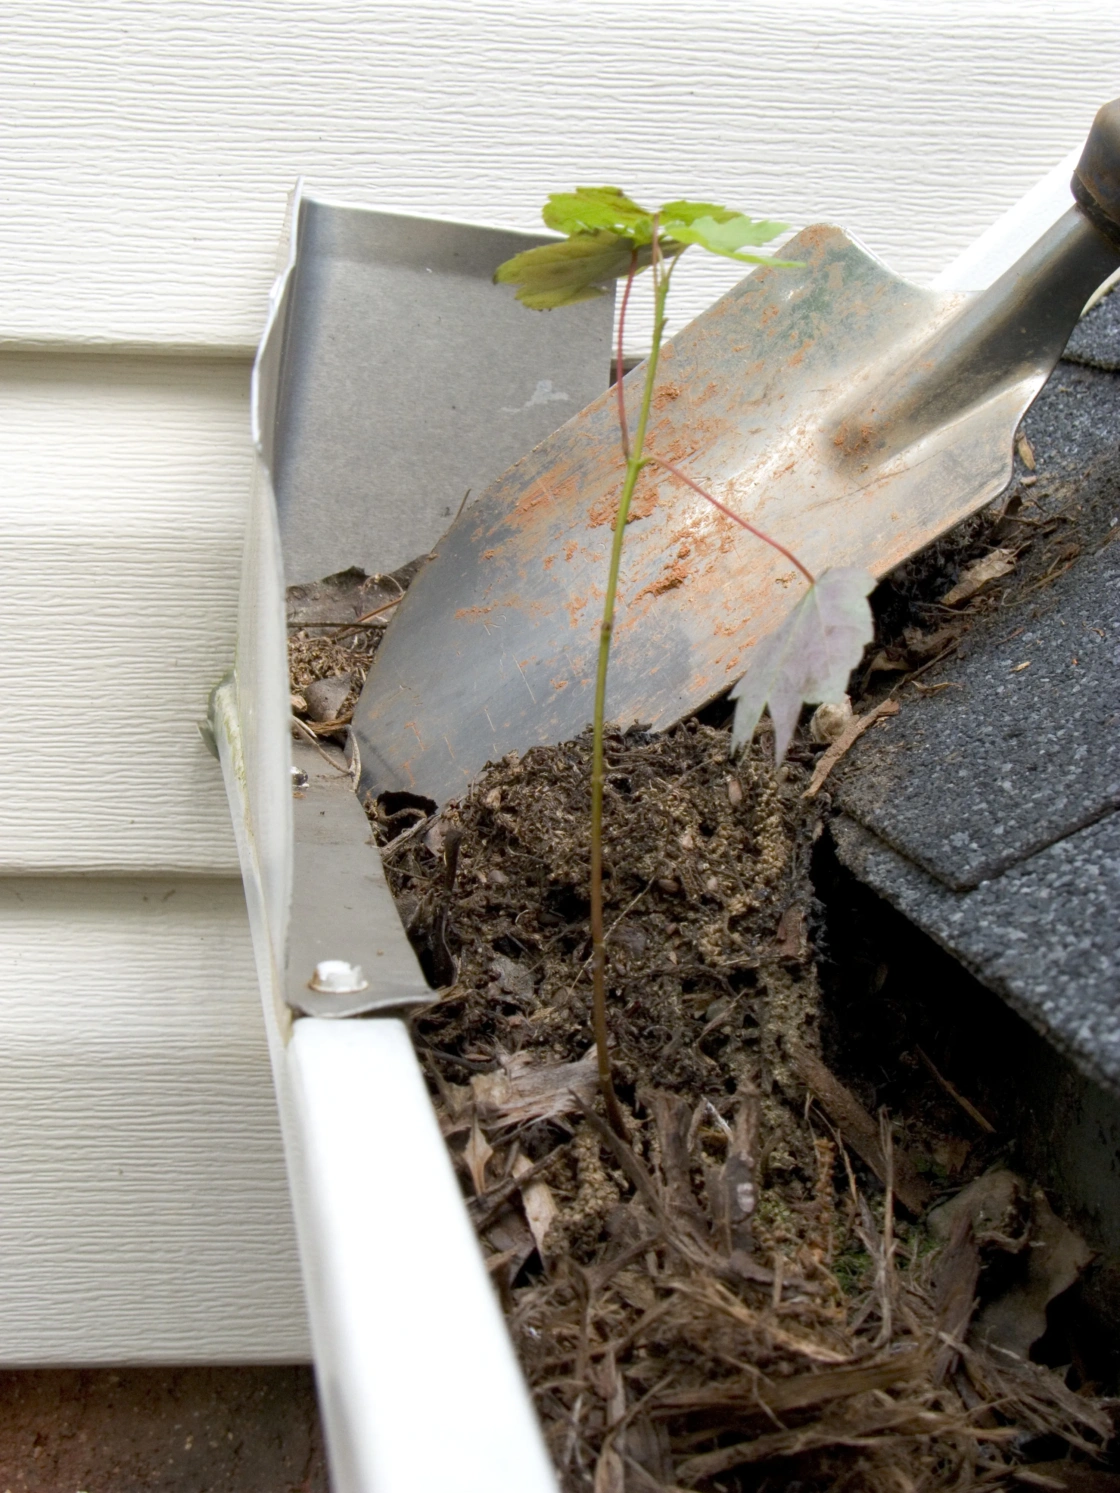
(634, 465)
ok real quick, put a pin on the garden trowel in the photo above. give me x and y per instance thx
(848, 413)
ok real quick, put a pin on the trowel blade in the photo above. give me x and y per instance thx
(493, 649)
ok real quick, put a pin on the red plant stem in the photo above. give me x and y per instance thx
(723, 508)
(623, 428)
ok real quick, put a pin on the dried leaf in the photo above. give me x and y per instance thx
(808, 658)
(975, 577)
(610, 1471)
(996, 1205)
(954, 1293)
(476, 1153)
(1054, 1259)
(511, 1238)
(520, 1092)
(538, 1202)
(1073, 1477)
(1026, 453)
(878, 1424)
(753, 1395)
(610, 1474)
(672, 1117)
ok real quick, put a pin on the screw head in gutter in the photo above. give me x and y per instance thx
(337, 977)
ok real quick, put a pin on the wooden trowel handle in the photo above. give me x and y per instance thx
(1096, 181)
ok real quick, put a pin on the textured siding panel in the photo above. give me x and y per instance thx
(148, 148)
(147, 152)
(124, 490)
(144, 1210)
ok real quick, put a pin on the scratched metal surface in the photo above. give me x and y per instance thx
(850, 413)
(407, 379)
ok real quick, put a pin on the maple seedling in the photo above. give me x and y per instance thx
(808, 658)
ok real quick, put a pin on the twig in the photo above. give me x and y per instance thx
(496, 1201)
(850, 1117)
(643, 1185)
(845, 741)
(314, 740)
(327, 728)
(629, 908)
(954, 1093)
(368, 616)
(945, 652)
(886, 1317)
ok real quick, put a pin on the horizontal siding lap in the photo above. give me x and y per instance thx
(120, 552)
(147, 165)
(146, 1212)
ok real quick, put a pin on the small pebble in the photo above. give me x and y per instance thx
(830, 721)
(326, 697)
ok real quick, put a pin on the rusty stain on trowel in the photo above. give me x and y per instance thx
(851, 414)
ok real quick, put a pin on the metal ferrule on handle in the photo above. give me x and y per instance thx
(1096, 182)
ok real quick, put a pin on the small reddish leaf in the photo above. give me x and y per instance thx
(808, 658)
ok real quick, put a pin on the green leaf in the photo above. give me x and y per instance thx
(604, 227)
(575, 269)
(719, 229)
(592, 209)
(808, 658)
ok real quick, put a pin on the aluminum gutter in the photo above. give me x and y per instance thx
(418, 1381)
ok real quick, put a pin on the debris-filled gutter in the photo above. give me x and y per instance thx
(388, 1255)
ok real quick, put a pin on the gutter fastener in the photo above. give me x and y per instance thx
(337, 977)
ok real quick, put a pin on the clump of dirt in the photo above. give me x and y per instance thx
(1059, 505)
(701, 861)
(724, 1298)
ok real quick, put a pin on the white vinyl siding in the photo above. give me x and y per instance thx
(148, 147)
(145, 1213)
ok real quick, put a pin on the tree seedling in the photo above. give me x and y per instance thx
(808, 658)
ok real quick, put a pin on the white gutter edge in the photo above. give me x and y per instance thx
(418, 1382)
(419, 1386)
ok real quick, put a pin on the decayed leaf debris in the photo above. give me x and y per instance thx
(334, 628)
(719, 1302)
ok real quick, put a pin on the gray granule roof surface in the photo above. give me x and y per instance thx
(989, 811)
(1096, 338)
(1045, 936)
(1021, 749)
